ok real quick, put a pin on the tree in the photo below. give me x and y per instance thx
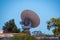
(23, 31)
(10, 27)
(54, 23)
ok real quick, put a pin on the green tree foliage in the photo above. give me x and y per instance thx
(54, 23)
(23, 31)
(10, 27)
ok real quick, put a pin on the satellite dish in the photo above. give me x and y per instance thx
(29, 20)
(29, 14)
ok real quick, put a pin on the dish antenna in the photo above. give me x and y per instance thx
(29, 20)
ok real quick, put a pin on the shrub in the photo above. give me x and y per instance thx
(26, 37)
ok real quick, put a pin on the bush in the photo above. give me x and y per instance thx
(26, 37)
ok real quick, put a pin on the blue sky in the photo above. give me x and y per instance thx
(45, 9)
